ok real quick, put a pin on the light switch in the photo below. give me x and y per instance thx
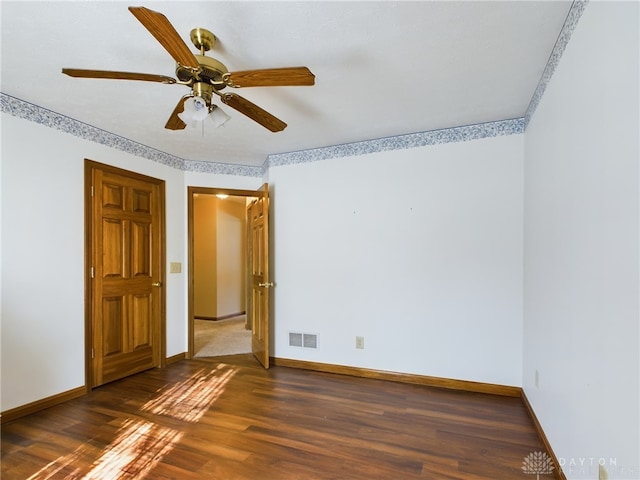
(175, 267)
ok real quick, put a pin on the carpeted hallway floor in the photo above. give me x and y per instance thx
(221, 337)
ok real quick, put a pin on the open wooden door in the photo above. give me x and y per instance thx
(126, 306)
(258, 266)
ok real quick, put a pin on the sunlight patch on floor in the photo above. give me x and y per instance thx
(191, 398)
(140, 445)
(62, 467)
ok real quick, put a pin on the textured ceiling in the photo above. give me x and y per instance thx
(382, 68)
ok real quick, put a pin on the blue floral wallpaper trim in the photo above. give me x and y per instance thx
(575, 12)
(34, 113)
(222, 168)
(401, 142)
(28, 111)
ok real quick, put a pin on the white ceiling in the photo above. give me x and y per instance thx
(382, 68)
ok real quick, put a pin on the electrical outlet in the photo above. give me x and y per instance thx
(175, 267)
(360, 343)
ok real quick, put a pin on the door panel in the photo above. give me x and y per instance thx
(112, 335)
(141, 201)
(112, 196)
(142, 308)
(141, 249)
(113, 250)
(127, 258)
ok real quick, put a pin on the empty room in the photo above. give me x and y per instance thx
(436, 216)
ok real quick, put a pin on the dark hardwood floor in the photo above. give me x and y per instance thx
(227, 418)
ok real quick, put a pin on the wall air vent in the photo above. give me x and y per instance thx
(305, 340)
(309, 340)
(295, 339)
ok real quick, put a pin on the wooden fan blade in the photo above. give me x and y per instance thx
(174, 122)
(160, 27)
(253, 111)
(272, 77)
(145, 77)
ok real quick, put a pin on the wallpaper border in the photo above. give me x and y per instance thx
(401, 142)
(575, 12)
(28, 111)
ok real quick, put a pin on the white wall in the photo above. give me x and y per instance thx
(419, 251)
(581, 322)
(42, 310)
(208, 180)
(219, 238)
(205, 297)
(231, 252)
(43, 257)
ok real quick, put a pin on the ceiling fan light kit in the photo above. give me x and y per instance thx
(218, 116)
(197, 110)
(205, 76)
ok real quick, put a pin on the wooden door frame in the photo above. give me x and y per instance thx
(191, 191)
(160, 330)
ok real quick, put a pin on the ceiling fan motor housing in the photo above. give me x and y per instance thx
(211, 71)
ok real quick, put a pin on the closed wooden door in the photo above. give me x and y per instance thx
(259, 283)
(126, 269)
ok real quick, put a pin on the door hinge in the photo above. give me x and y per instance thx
(93, 353)
(92, 273)
(92, 190)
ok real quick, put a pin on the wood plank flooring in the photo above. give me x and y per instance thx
(227, 418)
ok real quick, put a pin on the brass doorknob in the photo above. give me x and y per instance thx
(156, 284)
(266, 284)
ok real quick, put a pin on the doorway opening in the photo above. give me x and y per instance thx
(218, 272)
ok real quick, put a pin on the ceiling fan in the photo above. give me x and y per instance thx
(206, 76)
